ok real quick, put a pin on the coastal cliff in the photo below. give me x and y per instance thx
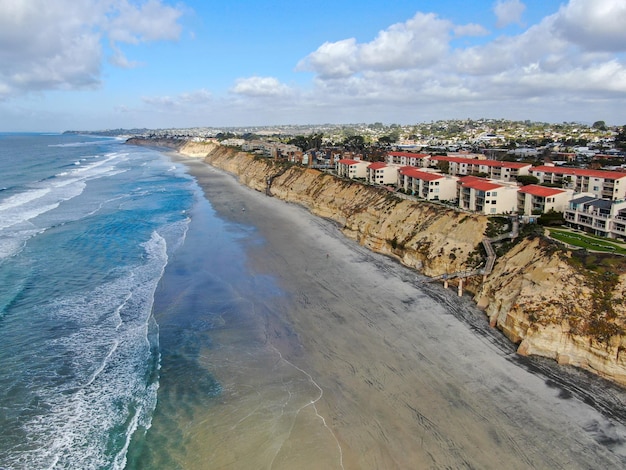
(543, 297)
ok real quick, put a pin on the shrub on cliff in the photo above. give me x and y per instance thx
(551, 219)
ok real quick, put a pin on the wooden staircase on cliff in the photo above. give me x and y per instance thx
(489, 262)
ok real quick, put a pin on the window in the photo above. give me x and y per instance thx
(493, 193)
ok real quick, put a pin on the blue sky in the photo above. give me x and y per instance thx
(100, 64)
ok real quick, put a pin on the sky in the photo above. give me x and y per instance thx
(106, 64)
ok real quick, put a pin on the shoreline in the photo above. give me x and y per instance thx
(403, 380)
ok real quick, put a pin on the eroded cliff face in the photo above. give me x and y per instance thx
(539, 299)
(431, 238)
(551, 308)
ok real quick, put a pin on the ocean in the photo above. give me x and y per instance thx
(132, 327)
(87, 226)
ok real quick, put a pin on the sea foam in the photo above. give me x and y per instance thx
(107, 357)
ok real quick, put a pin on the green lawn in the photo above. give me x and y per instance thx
(587, 241)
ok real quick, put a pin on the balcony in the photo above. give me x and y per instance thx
(601, 224)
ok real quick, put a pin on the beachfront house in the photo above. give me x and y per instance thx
(427, 184)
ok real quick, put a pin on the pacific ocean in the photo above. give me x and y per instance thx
(86, 229)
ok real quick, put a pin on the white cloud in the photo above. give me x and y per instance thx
(119, 59)
(420, 41)
(260, 87)
(161, 101)
(59, 44)
(417, 64)
(471, 29)
(332, 59)
(151, 21)
(596, 25)
(197, 98)
(509, 12)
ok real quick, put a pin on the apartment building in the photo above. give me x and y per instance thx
(598, 216)
(535, 199)
(381, 173)
(493, 169)
(418, 160)
(428, 185)
(602, 184)
(349, 168)
(487, 196)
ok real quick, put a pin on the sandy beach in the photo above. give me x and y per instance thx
(355, 362)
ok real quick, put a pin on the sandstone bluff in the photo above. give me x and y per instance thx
(538, 294)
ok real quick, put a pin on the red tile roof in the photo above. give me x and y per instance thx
(480, 184)
(579, 172)
(377, 165)
(422, 175)
(468, 178)
(541, 191)
(476, 161)
(348, 161)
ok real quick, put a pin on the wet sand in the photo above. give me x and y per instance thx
(357, 363)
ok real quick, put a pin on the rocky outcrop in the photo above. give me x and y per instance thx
(536, 295)
(550, 307)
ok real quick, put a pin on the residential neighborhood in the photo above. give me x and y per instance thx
(590, 200)
(488, 166)
(490, 183)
